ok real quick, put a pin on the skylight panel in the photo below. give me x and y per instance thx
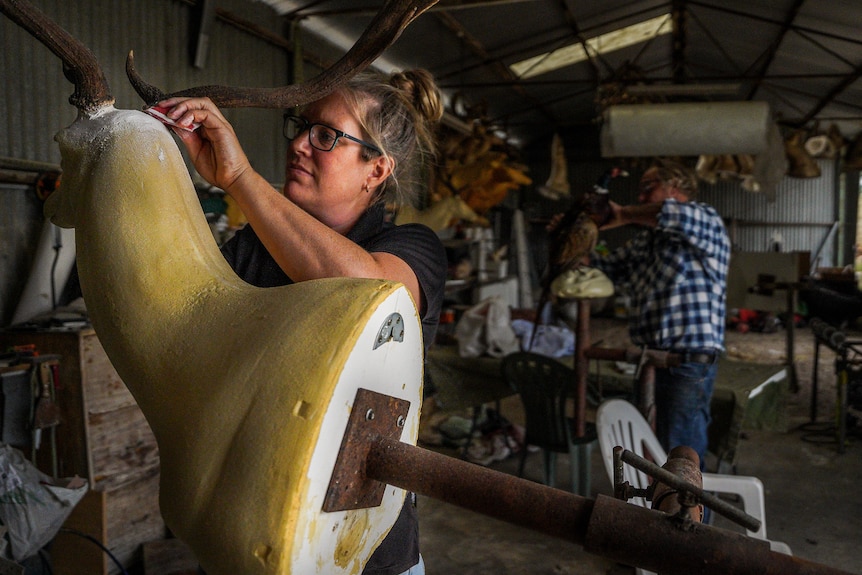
(602, 44)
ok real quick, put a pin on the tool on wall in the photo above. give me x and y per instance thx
(47, 412)
(45, 380)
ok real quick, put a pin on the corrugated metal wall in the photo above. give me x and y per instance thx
(34, 93)
(801, 215)
(802, 212)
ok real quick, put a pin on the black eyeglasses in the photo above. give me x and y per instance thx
(320, 136)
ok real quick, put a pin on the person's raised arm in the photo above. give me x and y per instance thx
(304, 247)
(635, 214)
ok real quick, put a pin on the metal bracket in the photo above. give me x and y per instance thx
(374, 416)
(392, 329)
(623, 490)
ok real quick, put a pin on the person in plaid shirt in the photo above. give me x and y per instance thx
(675, 273)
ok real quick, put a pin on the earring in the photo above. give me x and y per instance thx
(365, 187)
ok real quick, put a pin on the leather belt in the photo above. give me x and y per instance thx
(696, 357)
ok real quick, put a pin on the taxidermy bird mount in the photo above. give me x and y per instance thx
(574, 236)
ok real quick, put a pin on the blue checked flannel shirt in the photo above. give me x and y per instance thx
(676, 278)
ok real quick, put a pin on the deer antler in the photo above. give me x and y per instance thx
(392, 18)
(79, 64)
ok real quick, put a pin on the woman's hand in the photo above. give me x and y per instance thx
(213, 147)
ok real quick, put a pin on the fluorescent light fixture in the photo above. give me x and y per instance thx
(730, 89)
(574, 53)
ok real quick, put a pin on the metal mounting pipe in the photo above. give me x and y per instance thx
(582, 367)
(605, 526)
(499, 495)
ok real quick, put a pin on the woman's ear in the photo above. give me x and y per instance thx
(381, 168)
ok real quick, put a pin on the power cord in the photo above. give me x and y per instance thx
(45, 561)
(99, 544)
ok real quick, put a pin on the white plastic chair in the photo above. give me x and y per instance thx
(618, 422)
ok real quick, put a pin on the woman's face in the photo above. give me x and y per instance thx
(335, 187)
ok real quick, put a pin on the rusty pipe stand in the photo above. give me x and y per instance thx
(647, 360)
(603, 526)
(582, 367)
(622, 490)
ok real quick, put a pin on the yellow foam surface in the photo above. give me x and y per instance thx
(235, 381)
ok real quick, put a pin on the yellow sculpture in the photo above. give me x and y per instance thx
(441, 215)
(478, 168)
(247, 390)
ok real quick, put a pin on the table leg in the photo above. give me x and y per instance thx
(582, 367)
(791, 360)
(813, 409)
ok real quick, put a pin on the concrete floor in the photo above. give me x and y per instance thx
(813, 500)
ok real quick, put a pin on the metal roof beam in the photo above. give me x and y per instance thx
(679, 17)
(759, 18)
(789, 18)
(495, 64)
(833, 93)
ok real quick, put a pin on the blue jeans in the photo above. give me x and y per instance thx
(418, 569)
(682, 397)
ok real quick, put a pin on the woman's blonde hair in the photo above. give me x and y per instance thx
(398, 114)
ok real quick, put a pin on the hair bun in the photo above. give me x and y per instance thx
(422, 92)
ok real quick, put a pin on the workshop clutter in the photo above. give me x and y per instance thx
(484, 438)
(745, 320)
(848, 368)
(478, 167)
(494, 439)
(486, 328)
(29, 383)
(475, 173)
(550, 340)
(33, 505)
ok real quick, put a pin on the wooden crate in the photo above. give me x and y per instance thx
(105, 438)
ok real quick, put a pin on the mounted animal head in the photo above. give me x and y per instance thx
(92, 92)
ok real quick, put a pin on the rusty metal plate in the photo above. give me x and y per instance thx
(374, 416)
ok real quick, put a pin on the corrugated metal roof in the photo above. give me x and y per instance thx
(803, 57)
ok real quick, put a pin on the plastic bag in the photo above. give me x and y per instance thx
(486, 328)
(33, 506)
(551, 340)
